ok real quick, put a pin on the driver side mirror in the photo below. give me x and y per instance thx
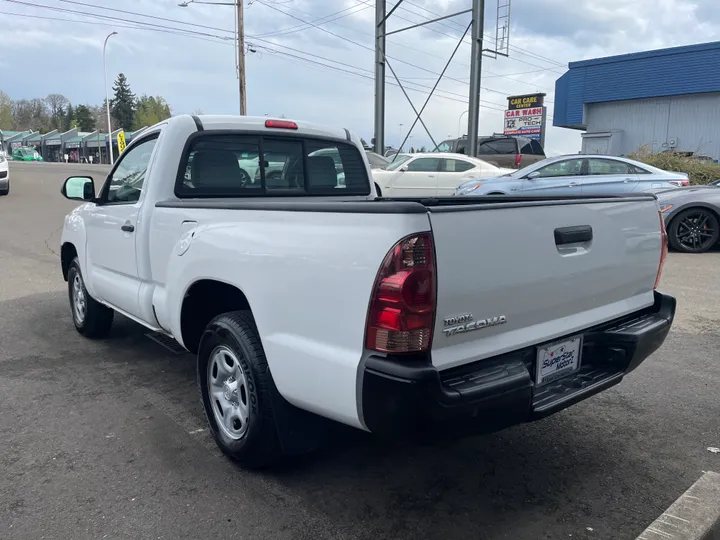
(79, 188)
(403, 168)
(533, 175)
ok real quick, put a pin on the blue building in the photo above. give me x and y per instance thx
(668, 99)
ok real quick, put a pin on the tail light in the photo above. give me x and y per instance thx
(663, 249)
(518, 157)
(402, 305)
(680, 183)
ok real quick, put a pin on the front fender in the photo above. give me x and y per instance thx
(75, 232)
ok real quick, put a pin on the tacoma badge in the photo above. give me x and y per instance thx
(466, 323)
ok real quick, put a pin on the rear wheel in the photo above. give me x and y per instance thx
(91, 318)
(5, 191)
(236, 388)
(694, 231)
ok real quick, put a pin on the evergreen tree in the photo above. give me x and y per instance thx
(122, 106)
(69, 118)
(84, 118)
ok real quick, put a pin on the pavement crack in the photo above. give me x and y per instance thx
(47, 245)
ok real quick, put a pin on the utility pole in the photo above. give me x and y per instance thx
(478, 14)
(380, 76)
(241, 56)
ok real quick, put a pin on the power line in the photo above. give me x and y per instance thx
(457, 25)
(222, 40)
(320, 20)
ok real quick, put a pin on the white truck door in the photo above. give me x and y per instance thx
(111, 231)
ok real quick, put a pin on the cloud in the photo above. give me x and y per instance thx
(302, 71)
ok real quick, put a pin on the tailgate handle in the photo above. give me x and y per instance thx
(573, 235)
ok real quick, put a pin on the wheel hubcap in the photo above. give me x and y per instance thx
(79, 299)
(696, 231)
(228, 392)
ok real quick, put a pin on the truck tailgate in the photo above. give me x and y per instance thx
(515, 274)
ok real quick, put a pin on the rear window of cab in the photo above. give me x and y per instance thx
(239, 165)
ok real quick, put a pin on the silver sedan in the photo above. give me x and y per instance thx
(577, 175)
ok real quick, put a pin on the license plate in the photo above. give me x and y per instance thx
(558, 359)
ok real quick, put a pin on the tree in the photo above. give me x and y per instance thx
(30, 114)
(69, 119)
(422, 150)
(99, 114)
(122, 106)
(150, 110)
(84, 119)
(57, 103)
(412, 150)
(6, 116)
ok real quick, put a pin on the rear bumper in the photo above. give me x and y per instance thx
(401, 394)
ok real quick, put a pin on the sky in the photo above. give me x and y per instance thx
(323, 71)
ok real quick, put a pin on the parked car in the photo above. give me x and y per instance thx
(26, 154)
(306, 303)
(715, 183)
(578, 174)
(692, 217)
(377, 161)
(4, 176)
(430, 174)
(499, 150)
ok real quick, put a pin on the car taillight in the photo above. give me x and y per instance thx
(402, 305)
(663, 249)
(281, 124)
(518, 157)
(680, 183)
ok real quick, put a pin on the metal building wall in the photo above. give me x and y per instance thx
(692, 121)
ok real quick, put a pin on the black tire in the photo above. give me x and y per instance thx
(496, 193)
(695, 230)
(6, 190)
(259, 446)
(378, 191)
(98, 318)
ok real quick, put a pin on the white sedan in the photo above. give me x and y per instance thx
(433, 174)
(4, 175)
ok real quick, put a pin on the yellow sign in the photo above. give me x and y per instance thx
(121, 142)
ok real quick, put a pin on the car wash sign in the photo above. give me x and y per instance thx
(525, 117)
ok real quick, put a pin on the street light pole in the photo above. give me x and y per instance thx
(459, 123)
(107, 98)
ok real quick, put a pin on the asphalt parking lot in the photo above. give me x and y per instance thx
(106, 439)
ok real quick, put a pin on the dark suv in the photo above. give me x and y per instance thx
(500, 150)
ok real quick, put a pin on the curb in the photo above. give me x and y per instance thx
(694, 516)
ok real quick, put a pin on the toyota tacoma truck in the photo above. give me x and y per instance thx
(308, 299)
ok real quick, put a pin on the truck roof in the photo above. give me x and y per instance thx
(257, 123)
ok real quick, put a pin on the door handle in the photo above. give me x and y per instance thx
(573, 184)
(627, 180)
(573, 235)
(128, 227)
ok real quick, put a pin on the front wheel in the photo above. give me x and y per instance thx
(378, 191)
(236, 386)
(91, 318)
(694, 231)
(6, 190)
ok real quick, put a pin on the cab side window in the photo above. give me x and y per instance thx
(126, 181)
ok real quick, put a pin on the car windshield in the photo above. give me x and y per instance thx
(397, 163)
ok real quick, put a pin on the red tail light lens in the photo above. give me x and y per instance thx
(281, 124)
(663, 250)
(518, 157)
(680, 183)
(402, 305)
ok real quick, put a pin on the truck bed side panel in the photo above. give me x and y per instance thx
(308, 278)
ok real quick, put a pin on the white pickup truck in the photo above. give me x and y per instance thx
(307, 298)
